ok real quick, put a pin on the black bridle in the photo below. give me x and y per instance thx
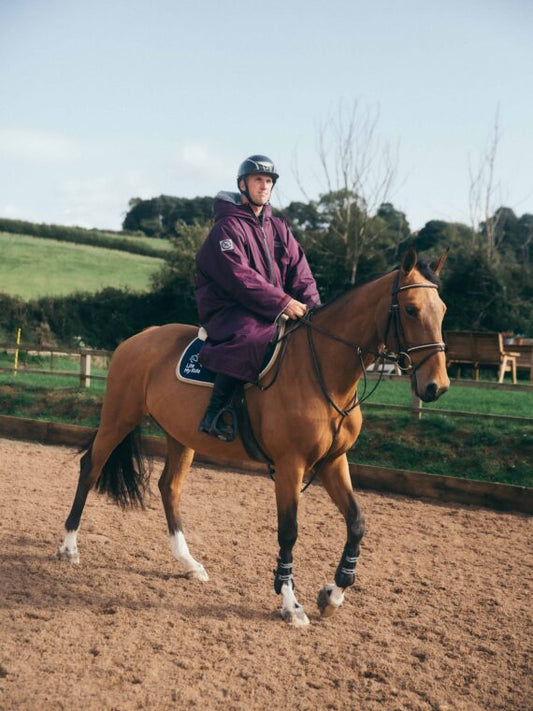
(402, 357)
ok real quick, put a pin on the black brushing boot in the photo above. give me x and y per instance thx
(219, 419)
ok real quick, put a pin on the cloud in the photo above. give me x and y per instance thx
(101, 201)
(36, 145)
(197, 160)
(10, 211)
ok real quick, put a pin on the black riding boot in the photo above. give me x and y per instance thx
(219, 419)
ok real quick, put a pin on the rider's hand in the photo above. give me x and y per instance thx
(295, 309)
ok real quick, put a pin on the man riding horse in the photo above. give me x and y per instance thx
(250, 271)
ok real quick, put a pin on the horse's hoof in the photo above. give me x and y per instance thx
(295, 618)
(326, 604)
(199, 573)
(66, 554)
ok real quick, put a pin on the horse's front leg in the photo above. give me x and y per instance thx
(288, 484)
(179, 459)
(335, 476)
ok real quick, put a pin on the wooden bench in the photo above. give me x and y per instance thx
(524, 360)
(480, 348)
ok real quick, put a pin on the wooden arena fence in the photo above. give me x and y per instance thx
(83, 373)
(503, 497)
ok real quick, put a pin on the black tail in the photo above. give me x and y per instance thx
(124, 477)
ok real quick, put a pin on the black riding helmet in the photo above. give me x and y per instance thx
(254, 165)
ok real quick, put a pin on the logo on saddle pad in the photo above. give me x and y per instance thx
(190, 369)
(226, 245)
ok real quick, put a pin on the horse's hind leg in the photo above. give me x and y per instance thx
(288, 483)
(112, 462)
(69, 548)
(115, 440)
(335, 476)
(179, 459)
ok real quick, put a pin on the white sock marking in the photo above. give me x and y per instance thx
(180, 549)
(336, 597)
(70, 542)
(289, 598)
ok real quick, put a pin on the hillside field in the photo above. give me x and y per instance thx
(32, 267)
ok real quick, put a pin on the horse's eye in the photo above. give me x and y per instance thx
(411, 310)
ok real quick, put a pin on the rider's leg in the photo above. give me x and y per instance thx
(223, 390)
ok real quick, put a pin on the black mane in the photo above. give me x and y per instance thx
(423, 266)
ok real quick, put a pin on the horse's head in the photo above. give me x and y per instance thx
(415, 326)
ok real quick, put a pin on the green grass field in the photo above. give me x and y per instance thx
(160, 245)
(465, 447)
(495, 401)
(33, 267)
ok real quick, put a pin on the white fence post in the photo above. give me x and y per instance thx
(85, 370)
(417, 407)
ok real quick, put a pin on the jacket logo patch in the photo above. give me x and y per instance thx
(226, 245)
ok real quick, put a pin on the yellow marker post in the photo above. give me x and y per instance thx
(17, 351)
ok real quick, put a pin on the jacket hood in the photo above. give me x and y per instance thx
(230, 204)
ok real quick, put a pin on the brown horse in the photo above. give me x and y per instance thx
(306, 421)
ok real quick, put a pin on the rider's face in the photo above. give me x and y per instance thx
(260, 187)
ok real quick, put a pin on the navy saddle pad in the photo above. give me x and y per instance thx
(190, 370)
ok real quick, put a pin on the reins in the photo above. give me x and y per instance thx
(402, 358)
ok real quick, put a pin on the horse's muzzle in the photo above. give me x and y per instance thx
(431, 392)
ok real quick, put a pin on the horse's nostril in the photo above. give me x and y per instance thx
(431, 391)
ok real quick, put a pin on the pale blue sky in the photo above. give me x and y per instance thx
(105, 100)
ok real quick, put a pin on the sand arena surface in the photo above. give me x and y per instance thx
(440, 617)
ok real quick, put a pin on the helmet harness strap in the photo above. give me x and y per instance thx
(246, 192)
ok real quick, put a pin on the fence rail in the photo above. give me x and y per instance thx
(416, 408)
(503, 497)
(417, 412)
(54, 350)
(84, 354)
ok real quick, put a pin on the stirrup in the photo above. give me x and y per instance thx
(218, 427)
(226, 431)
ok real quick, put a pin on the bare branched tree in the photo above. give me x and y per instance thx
(359, 170)
(485, 194)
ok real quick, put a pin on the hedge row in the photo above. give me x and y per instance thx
(100, 320)
(79, 235)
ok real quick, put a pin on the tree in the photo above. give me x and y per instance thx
(483, 193)
(303, 218)
(475, 295)
(525, 240)
(159, 217)
(359, 171)
(396, 222)
(143, 216)
(438, 236)
(177, 275)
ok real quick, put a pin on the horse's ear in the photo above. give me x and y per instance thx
(437, 265)
(409, 260)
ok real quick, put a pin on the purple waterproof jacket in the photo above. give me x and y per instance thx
(247, 270)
